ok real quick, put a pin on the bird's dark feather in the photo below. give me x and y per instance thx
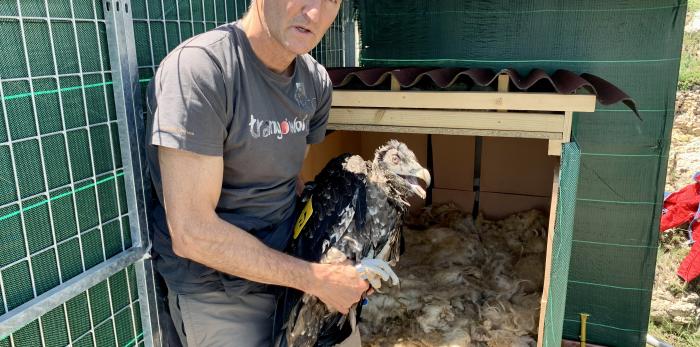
(358, 213)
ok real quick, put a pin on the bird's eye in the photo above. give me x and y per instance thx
(395, 159)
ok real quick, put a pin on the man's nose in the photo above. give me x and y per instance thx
(312, 10)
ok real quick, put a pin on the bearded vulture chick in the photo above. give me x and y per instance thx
(356, 213)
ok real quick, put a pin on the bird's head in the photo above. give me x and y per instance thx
(402, 167)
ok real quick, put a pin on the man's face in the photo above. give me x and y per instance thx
(299, 25)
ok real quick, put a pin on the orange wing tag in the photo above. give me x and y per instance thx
(303, 218)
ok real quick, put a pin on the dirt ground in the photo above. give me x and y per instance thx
(675, 307)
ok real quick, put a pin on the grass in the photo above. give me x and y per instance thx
(689, 74)
(679, 337)
(693, 6)
(672, 250)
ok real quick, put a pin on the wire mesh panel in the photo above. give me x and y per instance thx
(106, 315)
(63, 200)
(62, 207)
(623, 160)
(160, 25)
(561, 244)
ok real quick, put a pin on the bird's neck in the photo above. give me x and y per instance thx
(390, 184)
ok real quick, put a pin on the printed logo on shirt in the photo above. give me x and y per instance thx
(300, 96)
(265, 128)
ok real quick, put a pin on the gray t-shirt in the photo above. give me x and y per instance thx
(213, 96)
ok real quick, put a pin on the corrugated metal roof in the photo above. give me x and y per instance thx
(561, 81)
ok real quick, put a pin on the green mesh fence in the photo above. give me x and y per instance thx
(107, 315)
(633, 44)
(561, 244)
(161, 25)
(62, 198)
(62, 203)
(61, 209)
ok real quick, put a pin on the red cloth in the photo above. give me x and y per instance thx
(681, 207)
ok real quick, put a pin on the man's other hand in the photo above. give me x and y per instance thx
(339, 286)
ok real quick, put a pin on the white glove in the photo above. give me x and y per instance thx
(375, 271)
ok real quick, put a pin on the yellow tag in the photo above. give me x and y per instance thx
(303, 218)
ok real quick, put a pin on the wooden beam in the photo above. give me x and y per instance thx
(568, 119)
(465, 100)
(395, 85)
(455, 119)
(445, 131)
(554, 147)
(548, 259)
(503, 82)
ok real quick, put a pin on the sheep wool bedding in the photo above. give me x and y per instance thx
(464, 282)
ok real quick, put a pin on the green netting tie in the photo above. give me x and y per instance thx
(44, 202)
(620, 202)
(609, 286)
(615, 244)
(455, 60)
(67, 89)
(621, 155)
(604, 325)
(628, 110)
(134, 340)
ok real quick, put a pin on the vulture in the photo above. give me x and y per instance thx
(352, 211)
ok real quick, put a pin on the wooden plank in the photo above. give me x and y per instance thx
(464, 100)
(395, 85)
(568, 119)
(463, 198)
(454, 119)
(516, 166)
(496, 205)
(503, 82)
(445, 131)
(554, 148)
(548, 261)
(453, 162)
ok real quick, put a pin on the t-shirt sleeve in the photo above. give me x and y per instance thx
(190, 103)
(317, 128)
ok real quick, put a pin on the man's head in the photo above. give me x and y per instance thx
(297, 25)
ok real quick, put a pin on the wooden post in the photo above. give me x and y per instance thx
(568, 119)
(548, 260)
(503, 82)
(395, 85)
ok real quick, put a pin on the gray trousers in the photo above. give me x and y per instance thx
(216, 319)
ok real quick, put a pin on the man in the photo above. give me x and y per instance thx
(231, 115)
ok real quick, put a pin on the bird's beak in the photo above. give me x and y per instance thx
(424, 175)
(416, 187)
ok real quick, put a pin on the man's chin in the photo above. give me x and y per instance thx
(299, 47)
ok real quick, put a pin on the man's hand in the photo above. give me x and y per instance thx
(339, 286)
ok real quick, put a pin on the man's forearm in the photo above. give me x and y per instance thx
(227, 248)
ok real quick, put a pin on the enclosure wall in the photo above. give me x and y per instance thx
(633, 44)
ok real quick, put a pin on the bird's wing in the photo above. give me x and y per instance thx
(338, 208)
(338, 201)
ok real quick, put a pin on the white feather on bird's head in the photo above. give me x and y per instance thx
(400, 167)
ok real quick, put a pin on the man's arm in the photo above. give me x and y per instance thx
(191, 189)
